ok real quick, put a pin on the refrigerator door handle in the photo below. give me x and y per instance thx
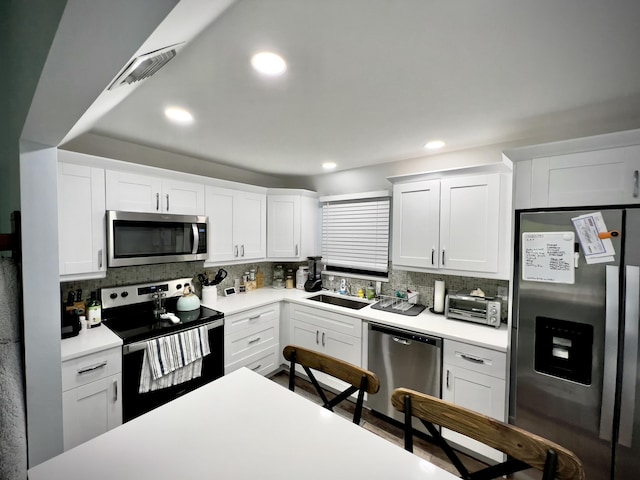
(610, 356)
(632, 315)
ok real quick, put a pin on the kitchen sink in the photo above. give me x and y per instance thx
(340, 301)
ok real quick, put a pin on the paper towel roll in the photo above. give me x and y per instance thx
(438, 296)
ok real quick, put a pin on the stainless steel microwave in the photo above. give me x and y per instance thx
(145, 238)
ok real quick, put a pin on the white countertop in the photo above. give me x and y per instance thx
(426, 322)
(89, 341)
(241, 426)
(101, 338)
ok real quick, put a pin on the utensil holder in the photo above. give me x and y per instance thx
(209, 295)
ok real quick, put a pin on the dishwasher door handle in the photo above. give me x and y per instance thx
(402, 341)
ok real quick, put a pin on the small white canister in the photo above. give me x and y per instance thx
(209, 295)
(301, 277)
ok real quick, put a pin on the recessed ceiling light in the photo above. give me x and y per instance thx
(329, 165)
(434, 144)
(268, 63)
(178, 115)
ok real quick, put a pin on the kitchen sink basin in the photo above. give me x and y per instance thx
(340, 301)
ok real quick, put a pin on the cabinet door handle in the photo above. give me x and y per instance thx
(443, 257)
(317, 342)
(100, 259)
(167, 202)
(92, 368)
(157, 201)
(636, 187)
(323, 339)
(254, 318)
(471, 359)
(448, 378)
(256, 367)
(115, 391)
(433, 254)
(235, 251)
(257, 339)
(242, 250)
(296, 250)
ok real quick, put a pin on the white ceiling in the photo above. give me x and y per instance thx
(370, 81)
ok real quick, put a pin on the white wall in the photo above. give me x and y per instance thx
(41, 300)
(375, 177)
(101, 146)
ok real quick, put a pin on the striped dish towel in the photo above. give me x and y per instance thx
(173, 359)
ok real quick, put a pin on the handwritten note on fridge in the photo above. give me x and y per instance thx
(548, 257)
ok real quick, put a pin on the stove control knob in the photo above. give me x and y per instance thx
(113, 296)
(124, 294)
(178, 287)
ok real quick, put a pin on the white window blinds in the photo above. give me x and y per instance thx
(355, 234)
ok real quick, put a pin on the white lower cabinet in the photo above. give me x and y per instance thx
(251, 340)
(331, 333)
(474, 377)
(92, 396)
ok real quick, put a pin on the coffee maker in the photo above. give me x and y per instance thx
(314, 282)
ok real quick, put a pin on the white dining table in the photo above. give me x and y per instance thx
(241, 426)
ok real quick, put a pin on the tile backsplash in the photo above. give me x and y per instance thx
(399, 280)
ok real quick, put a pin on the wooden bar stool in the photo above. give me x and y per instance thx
(360, 380)
(524, 449)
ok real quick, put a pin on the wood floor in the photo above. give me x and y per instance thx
(381, 427)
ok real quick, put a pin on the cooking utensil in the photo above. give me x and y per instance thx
(203, 280)
(221, 275)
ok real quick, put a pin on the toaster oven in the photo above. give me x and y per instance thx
(484, 310)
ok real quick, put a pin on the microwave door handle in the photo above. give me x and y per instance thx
(196, 237)
(610, 351)
(631, 317)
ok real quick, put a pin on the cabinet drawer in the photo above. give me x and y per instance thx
(244, 343)
(477, 359)
(260, 316)
(89, 368)
(329, 320)
(263, 362)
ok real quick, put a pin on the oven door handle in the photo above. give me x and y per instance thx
(137, 346)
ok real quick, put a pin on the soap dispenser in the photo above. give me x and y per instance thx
(343, 287)
(371, 293)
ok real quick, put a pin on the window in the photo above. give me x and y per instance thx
(355, 235)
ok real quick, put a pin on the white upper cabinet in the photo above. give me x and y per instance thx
(81, 219)
(600, 177)
(237, 225)
(416, 224)
(456, 224)
(135, 192)
(469, 220)
(291, 226)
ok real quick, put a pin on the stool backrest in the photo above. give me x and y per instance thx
(526, 449)
(359, 379)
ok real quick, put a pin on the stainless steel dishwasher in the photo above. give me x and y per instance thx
(402, 358)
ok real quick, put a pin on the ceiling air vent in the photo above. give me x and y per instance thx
(145, 65)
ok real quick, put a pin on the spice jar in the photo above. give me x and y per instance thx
(278, 277)
(289, 279)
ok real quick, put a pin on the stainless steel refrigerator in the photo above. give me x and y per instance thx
(574, 370)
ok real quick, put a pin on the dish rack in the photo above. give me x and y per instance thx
(390, 302)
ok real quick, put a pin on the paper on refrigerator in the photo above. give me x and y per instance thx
(548, 257)
(594, 248)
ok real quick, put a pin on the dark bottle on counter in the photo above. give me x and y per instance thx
(94, 311)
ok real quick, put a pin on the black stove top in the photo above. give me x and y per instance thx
(137, 322)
